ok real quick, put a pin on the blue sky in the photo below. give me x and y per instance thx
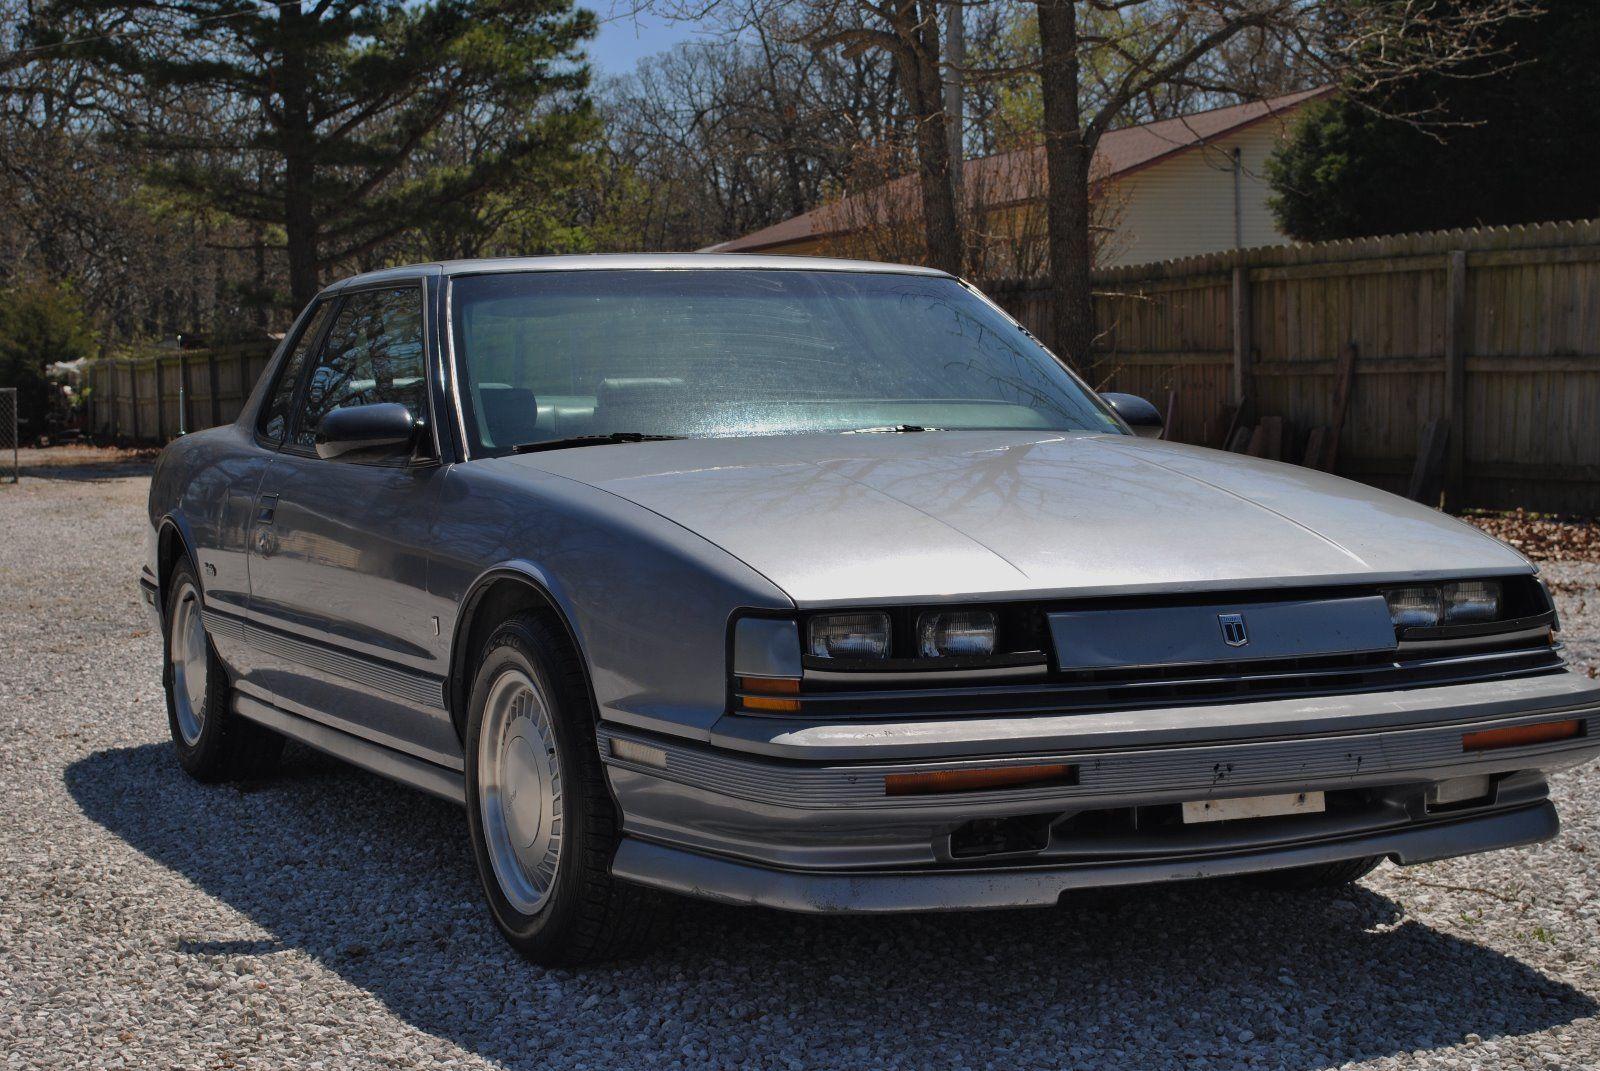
(626, 38)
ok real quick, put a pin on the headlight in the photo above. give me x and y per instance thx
(1418, 607)
(1463, 602)
(956, 633)
(848, 636)
(1471, 600)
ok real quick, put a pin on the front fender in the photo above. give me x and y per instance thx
(204, 487)
(646, 602)
(527, 576)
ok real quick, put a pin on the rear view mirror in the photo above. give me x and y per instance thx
(1138, 414)
(379, 430)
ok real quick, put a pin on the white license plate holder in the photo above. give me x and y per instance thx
(1229, 810)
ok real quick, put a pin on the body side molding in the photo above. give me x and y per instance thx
(422, 689)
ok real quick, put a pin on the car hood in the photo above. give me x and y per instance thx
(837, 519)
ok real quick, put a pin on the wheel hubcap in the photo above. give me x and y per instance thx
(187, 648)
(519, 790)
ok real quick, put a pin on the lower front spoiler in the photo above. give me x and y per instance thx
(735, 882)
(150, 593)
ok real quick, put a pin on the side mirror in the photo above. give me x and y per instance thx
(1137, 413)
(382, 429)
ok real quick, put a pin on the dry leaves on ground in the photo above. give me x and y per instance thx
(1542, 537)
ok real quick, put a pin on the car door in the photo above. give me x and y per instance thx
(339, 548)
(232, 480)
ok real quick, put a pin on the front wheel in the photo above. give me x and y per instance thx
(542, 823)
(212, 742)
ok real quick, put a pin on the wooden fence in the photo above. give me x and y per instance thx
(152, 398)
(1494, 333)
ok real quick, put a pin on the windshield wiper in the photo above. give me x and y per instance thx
(889, 429)
(590, 440)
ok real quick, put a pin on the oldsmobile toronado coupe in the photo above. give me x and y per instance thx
(824, 586)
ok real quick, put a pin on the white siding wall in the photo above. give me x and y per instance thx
(1184, 204)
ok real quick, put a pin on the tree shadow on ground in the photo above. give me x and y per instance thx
(89, 471)
(374, 881)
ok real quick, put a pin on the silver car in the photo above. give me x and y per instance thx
(824, 586)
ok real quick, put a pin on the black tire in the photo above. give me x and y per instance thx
(1318, 875)
(226, 747)
(587, 916)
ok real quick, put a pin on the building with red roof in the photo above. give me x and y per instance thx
(1173, 188)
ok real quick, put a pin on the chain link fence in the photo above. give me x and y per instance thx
(8, 434)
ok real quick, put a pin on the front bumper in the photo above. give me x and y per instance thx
(763, 821)
(737, 882)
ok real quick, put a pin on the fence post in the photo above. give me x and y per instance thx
(216, 388)
(133, 396)
(1241, 331)
(161, 402)
(183, 394)
(1455, 374)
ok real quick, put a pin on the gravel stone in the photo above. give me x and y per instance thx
(329, 919)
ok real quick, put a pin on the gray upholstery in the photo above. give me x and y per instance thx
(509, 414)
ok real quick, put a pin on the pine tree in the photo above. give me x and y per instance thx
(318, 114)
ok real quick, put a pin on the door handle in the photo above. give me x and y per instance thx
(266, 506)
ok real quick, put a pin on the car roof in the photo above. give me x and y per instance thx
(630, 261)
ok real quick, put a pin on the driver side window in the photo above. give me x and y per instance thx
(374, 353)
(274, 419)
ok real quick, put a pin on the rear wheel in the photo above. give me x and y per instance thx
(541, 819)
(212, 742)
(1318, 875)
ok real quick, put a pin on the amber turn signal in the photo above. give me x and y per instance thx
(1521, 735)
(769, 686)
(919, 784)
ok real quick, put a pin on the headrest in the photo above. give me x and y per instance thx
(619, 395)
(509, 414)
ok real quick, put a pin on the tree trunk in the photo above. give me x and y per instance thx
(955, 111)
(299, 172)
(258, 247)
(788, 135)
(1067, 155)
(300, 233)
(924, 88)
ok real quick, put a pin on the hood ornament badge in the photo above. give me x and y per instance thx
(1234, 633)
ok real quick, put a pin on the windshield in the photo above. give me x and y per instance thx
(717, 352)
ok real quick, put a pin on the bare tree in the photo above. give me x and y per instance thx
(726, 135)
(909, 33)
(909, 30)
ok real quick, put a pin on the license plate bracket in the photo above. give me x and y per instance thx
(1238, 807)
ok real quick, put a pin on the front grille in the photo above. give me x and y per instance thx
(1175, 686)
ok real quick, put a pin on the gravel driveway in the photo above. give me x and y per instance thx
(329, 919)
